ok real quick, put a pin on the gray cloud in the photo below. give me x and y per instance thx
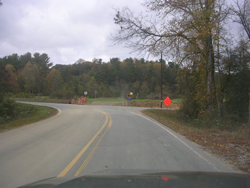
(65, 30)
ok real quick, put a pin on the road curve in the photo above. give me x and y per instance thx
(83, 139)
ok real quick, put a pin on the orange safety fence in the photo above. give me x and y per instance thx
(79, 101)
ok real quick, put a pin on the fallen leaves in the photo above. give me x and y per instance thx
(235, 150)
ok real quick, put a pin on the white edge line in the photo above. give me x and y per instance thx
(199, 155)
(58, 110)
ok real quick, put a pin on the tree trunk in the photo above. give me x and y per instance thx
(209, 74)
(218, 90)
(210, 57)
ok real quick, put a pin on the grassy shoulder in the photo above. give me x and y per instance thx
(119, 100)
(42, 99)
(25, 114)
(103, 99)
(111, 99)
(177, 101)
(233, 146)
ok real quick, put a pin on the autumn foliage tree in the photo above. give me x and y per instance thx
(3, 81)
(11, 79)
(187, 29)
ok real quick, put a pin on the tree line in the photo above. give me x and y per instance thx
(36, 75)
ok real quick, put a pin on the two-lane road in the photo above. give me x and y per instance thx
(85, 139)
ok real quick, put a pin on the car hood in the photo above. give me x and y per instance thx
(143, 178)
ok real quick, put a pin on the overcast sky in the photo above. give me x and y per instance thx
(65, 30)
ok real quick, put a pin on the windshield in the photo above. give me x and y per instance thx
(123, 87)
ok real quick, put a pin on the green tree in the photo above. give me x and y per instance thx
(64, 71)
(144, 89)
(136, 87)
(130, 74)
(236, 92)
(92, 85)
(170, 74)
(14, 61)
(29, 73)
(43, 62)
(24, 59)
(54, 81)
(101, 73)
(114, 71)
(67, 91)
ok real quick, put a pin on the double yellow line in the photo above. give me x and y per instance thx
(85, 163)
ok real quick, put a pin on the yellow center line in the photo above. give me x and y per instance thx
(86, 162)
(71, 164)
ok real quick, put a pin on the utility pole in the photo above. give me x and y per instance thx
(249, 113)
(249, 116)
(161, 79)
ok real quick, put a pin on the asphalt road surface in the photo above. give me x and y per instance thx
(83, 139)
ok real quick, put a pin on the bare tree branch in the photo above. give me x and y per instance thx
(242, 11)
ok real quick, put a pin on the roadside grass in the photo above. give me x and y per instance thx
(65, 101)
(232, 146)
(146, 100)
(26, 114)
(177, 101)
(42, 99)
(119, 99)
(104, 99)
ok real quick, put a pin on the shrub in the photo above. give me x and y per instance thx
(7, 108)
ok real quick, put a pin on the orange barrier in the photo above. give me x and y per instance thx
(79, 101)
(83, 100)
